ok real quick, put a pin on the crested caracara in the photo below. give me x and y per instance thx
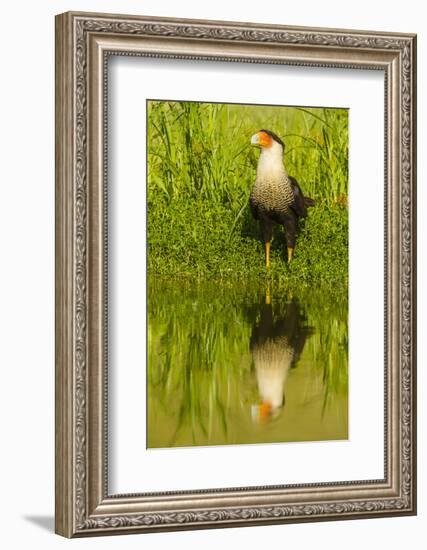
(276, 344)
(276, 196)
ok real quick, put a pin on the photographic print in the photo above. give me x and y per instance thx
(247, 274)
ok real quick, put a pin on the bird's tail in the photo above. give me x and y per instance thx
(309, 202)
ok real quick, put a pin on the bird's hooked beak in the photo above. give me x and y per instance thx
(255, 140)
(261, 412)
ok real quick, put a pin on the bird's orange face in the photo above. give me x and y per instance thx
(262, 139)
(263, 412)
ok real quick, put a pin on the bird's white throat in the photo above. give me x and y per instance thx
(270, 163)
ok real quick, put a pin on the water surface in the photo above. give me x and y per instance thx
(239, 364)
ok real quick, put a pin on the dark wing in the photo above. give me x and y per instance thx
(298, 206)
(295, 329)
(254, 208)
(299, 343)
(262, 331)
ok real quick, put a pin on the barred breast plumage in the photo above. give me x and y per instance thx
(277, 341)
(273, 194)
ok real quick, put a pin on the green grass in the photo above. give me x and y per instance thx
(201, 169)
(203, 150)
(210, 247)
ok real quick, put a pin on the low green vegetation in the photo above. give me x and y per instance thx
(210, 247)
(201, 169)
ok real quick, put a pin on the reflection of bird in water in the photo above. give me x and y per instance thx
(276, 197)
(277, 342)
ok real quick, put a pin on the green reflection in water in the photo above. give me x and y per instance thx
(232, 365)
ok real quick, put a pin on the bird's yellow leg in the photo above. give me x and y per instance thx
(290, 254)
(267, 296)
(267, 255)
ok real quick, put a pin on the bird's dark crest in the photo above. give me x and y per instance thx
(274, 136)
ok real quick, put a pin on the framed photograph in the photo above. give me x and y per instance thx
(235, 274)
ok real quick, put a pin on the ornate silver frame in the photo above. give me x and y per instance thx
(83, 42)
